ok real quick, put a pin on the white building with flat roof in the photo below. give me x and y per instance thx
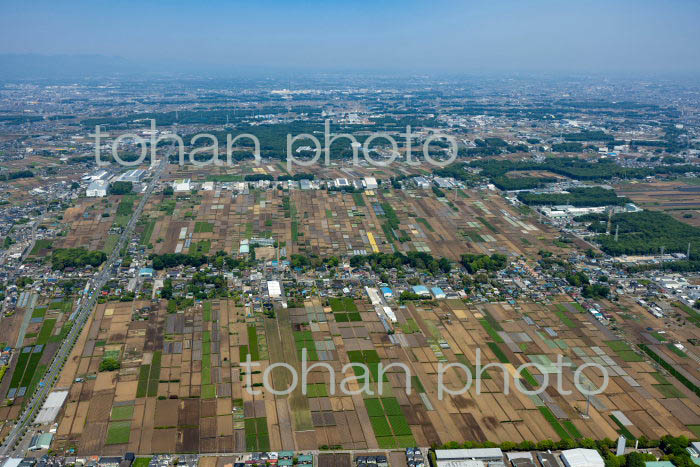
(582, 458)
(446, 457)
(274, 289)
(370, 183)
(97, 189)
(182, 184)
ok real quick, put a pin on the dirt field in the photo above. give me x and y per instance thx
(189, 395)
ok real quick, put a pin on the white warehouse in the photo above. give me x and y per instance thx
(97, 189)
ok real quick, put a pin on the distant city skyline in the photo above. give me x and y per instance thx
(411, 36)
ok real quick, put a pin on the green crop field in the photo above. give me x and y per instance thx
(124, 412)
(118, 432)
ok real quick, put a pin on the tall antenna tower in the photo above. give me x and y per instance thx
(609, 221)
(617, 230)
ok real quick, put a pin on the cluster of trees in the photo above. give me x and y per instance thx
(258, 177)
(110, 364)
(200, 281)
(646, 232)
(415, 259)
(673, 266)
(595, 291)
(171, 260)
(575, 168)
(17, 174)
(76, 258)
(521, 183)
(476, 262)
(577, 279)
(589, 135)
(590, 196)
(121, 188)
(412, 296)
(302, 261)
(567, 147)
(438, 192)
(219, 260)
(167, 290)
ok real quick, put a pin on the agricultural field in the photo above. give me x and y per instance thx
(48, 324)
(678, 198)
(323, 223)
(181, 386)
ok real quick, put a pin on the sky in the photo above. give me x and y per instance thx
(382, 35)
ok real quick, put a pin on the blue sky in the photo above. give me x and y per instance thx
(437, 35)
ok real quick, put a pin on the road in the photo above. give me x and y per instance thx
(88, 303)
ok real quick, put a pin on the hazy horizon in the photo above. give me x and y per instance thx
(443, 36)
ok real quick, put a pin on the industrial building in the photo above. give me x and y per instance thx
(97, 189)
(182, 184)
(52, 405)
(133, 176)
(437, 292)
(467, 457)
(421, 290)
(41, 442)
(582, 458)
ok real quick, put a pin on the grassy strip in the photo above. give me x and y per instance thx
(359, 200)
(425, 223)
(147, 232)
(253, 343)
(41, 244)
(142, 387)
(565, 319)
(154, 375)
(46, 330)
(295, 231)
(118, 432)
(687, 383)
(622, 428)
(676, 350)
(39, 312)
(571, 428)
(499, 353)
(549, 416)
(488, 224)
(491, 331)
(203, 227)
(31, 368)
(693, 315)
(110, 243)
(206, 311)
(19, 369)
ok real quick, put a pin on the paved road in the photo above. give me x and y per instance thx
(89, 299)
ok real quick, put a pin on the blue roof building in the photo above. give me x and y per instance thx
(146, 272)
(386, 291)
(437, 292)
(421, 290)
